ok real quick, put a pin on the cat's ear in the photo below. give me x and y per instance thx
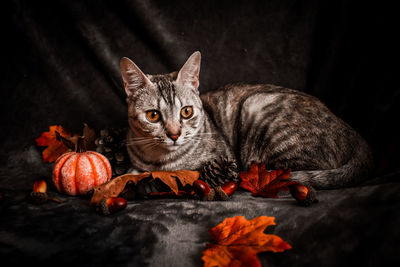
(132, 76)
(189, 73)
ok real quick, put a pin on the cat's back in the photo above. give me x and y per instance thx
(227, 104)
(282, 127)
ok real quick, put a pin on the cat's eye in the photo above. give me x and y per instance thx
(153, 115)
(187, 112)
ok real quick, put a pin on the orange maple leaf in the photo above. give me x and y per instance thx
(265, 183)
(54, 147)
(238, 241)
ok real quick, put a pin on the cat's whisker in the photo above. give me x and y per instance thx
(138, 139)
(141, 142)
(138, 144)
(201, 137)
(150, 146)
(143, 137)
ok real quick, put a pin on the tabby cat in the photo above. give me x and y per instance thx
(173, 127)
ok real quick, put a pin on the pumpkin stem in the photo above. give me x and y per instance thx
(80, 145)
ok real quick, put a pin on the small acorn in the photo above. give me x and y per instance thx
(226, 190)
(203, 190)
(229, 188)
(112, 205)
(39, 193)
(40, 186)
(305, 195)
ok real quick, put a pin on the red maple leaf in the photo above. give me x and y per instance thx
(265, 183)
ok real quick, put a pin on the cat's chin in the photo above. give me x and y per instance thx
(172, 147)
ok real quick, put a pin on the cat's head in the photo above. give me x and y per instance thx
(164, 110)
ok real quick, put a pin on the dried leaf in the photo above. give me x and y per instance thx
(169, 178)
(238, 241)
(54, 147)
(114, 187)
(265, 183)
(70, 142)
(89, 137)
(59, 141)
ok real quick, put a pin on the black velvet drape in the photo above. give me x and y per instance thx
(60, 65)
(61, 58)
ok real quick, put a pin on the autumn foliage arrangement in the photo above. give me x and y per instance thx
(235, 241)
(208, 184)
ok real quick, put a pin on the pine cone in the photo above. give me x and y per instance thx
(219, 171)
(111, 144)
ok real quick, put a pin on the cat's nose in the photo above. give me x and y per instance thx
(174, 136)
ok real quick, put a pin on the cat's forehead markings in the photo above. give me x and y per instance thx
(165, 88)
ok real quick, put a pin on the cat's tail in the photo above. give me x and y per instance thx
(356, 170)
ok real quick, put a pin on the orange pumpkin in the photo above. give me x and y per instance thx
(76, 173)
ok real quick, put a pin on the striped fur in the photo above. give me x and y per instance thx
(286, 129)
(281, 127)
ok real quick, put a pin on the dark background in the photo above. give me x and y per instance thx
(61, 59)
(60, 65)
